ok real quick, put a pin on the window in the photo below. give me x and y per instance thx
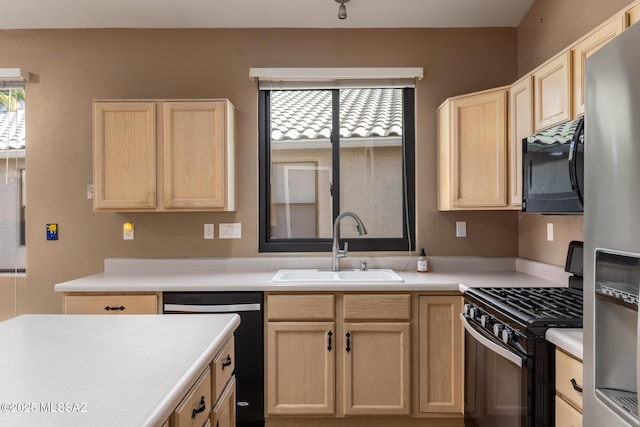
(12, 178)
(327, 151)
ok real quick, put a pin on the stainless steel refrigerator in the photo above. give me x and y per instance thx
(612, 232)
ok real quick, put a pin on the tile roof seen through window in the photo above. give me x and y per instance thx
(364, 113)
(12, 130)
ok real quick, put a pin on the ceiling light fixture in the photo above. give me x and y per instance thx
(342, 10)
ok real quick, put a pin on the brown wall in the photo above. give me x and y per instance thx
(71, 67)
(549, 27)
(552, 25)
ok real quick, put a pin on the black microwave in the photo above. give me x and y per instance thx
(553, 170)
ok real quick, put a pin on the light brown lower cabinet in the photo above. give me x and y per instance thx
(110, 304)
(377, 368)
(354, 359)
(206, 404)
(441, 354)
(192, 411)
(224, 412)
(568, 390)
(300, 368)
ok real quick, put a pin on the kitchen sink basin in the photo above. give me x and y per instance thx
(381, 275)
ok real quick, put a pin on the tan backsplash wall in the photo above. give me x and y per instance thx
(549, 27)
(70, 68)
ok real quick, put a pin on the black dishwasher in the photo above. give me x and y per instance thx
(249, 347)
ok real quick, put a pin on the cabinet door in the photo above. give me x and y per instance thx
(566, 415)
(632, 15)
(195, 152)
(301, 368)
(584, 49)
(194, 409)
(224, 412)
(124, 150)
(441, 350)
(520, 127)
(552, 90)
(477, 147)
(376, 368)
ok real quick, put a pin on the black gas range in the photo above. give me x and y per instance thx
(509, 365)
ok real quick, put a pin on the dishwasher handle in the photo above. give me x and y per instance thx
(196, 308)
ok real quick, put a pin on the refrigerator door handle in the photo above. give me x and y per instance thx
(573, 165)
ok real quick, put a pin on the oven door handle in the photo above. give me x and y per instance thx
(511, 357)
(197, 308)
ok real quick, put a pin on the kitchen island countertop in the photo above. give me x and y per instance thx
(101, 370)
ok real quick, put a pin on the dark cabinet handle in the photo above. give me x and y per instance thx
(329, 335)
(348, 342)
(226, 362)
(202, 407)
(121, 308)
(217, 423)
(575, 385)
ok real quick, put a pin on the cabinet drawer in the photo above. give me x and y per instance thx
(224, 413)
(568, 369)
(377, 307)
(566, 415)
(194, 409)
(301, 307)
(111, 304)
(222, 367)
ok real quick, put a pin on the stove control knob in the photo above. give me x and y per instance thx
(484, 320)
(507, 335)
(497, 329)
(466, 309)
(472, 312)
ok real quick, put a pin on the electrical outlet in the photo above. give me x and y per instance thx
(550, 232)
(90, 191)
(230, 231)
(461, 228)
(127, 231)
(208, 231)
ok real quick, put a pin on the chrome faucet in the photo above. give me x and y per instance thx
(338, 253)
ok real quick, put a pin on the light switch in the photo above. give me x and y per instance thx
(550, 232)
(230, 231)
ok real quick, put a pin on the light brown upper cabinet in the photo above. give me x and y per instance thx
(552, 88)
(472, 151)
(124, 155)
(585, 48)
(632, 16)
(164, 155)
(520, 127)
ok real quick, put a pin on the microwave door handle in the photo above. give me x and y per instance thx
(500, 351)
(573, 163)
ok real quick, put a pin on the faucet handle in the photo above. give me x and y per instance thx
(346, 249)
(363, 265)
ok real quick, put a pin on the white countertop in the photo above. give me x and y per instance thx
(101, 370)
(570, 340)
(163, 275)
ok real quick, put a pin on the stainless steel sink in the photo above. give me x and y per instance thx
(381, 275)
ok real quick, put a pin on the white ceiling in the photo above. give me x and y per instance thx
(25, 14)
